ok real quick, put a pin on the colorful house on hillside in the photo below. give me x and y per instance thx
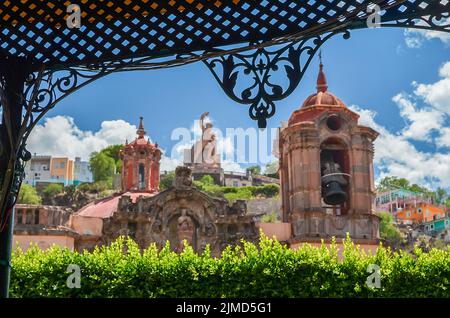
(394, 200)
(439, 227)
(408, 207)
(43, 170)
(419, 212)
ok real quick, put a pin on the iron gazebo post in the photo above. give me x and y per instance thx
(13, 74)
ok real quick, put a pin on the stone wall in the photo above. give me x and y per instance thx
(264, 206)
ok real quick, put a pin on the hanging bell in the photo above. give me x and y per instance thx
(334, 194)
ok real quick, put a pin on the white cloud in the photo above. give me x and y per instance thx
(421, 122)
(395, 155)
(437, 94)
(232, 166)
(444, 139)
(60, 136)
(414, 38)
(169, 164)
(395, 152)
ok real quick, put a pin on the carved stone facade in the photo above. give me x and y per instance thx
(326, 171)
(181, 213)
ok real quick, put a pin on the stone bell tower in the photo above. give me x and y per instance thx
(326, 171)
(140, 168)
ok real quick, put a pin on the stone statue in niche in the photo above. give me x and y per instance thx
(185, 230)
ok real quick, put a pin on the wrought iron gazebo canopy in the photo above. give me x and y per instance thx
(120, 29)
(43, 59)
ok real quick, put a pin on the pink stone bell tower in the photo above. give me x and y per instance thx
(326, 171)
(140, 168)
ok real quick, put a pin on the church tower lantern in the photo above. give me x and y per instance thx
(141, 160)
(326, 171)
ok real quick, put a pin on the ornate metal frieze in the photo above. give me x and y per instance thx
(46, 88)
(257, 78)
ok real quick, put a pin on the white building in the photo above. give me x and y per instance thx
(81, 172)
(38, 169)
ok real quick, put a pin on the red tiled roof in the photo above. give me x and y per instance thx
(105, 208)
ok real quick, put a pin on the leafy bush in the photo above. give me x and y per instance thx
(270, 218)
(244, 193)
(268, 190)
(238, 193)
(207, 180)
(28, 195)
(95, 187)
(388, 231)
(166, 180)
(267, 270)
(53, 189)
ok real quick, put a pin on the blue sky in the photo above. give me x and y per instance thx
(366, 72)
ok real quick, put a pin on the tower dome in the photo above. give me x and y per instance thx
(322, 100)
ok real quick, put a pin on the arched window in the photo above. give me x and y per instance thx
(141, 176)
(335, 168)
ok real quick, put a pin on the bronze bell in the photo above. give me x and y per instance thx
(333, 193)
(333, 181)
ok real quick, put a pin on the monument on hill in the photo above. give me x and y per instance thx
(203, 158)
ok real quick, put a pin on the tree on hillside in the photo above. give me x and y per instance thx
(166, 180)
(440, 195)
(207, 180)
(393, 183)
(53, 189)
(103, 167)
(272, 169)
(388, 231)
(254, 169)
(28, 195)
(114, 152)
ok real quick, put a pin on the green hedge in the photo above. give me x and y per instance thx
(242, 193)
(267, 270)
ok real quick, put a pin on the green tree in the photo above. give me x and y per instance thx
(272, 169)
(440, 195)
(28, 195)
(388, 231)
(114, 152)
(393, 183)
(53, 189)
(254, 169)
(166, 180)
(103, 167)
(207, 180)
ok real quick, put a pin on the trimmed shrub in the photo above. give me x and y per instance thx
(265, 270)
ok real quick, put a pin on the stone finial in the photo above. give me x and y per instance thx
(322, 85)
(183, 177)
(141, 131)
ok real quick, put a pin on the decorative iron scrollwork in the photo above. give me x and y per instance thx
(257, 69)
(428, 15)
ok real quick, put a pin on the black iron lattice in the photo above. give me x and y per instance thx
(135, 28)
